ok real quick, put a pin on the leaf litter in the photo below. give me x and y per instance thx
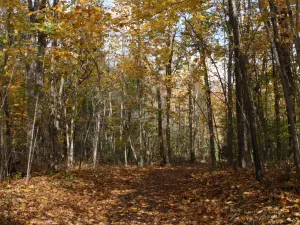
(152, 195)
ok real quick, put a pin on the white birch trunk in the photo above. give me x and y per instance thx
(32, 142)
(96, 137)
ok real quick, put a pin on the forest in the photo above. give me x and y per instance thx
(149, 112)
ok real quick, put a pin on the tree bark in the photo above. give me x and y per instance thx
(160, 126)
(141, 122)
(191, 131)
(34, 133)
(168, 129)
(209, 114)
(5, 134)
(240, 64)
(285, 81)
(276, 108)
(229, 137)
(170, 45)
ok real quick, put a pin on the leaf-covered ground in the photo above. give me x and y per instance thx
(171, 195)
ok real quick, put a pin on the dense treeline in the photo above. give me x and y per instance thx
(147, 83)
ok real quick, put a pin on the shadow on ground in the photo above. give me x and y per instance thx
(169, 195)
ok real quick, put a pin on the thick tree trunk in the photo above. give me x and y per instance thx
(286, 84)
(4, 113)
(240, 64)
(285, 48)
(293, 30)
(3, 148)
(35, 70)
(209, 115)
(170, 45)
(276, 109)
(239, 119)
(55, 113)
(41, 44)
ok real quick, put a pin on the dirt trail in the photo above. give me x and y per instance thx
(171, 195)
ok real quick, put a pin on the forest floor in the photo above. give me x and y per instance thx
(154, 195)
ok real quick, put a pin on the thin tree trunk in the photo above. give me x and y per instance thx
(97, 117)
(168, 129)
(160, 127)
(265, 151)
(229, 137)
(71, 136)
(141, 124)
(32, 141)
(2, 162)
(191, 139)
(123, 120)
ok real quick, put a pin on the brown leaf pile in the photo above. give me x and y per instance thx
(171, 195)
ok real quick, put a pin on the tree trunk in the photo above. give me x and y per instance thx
(141, 127)
(293, 30)
(55, 114)
(229, 137)
(160, 127)
(276, 109)
(209, 115)
(168, 129)
(32, 141)
(4, 114)
(191, 131)
(285, 81)
(240, 64)
(97, 117)
(35, 70)
(170, 45)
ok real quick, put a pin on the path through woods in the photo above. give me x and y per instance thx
(172, 195)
